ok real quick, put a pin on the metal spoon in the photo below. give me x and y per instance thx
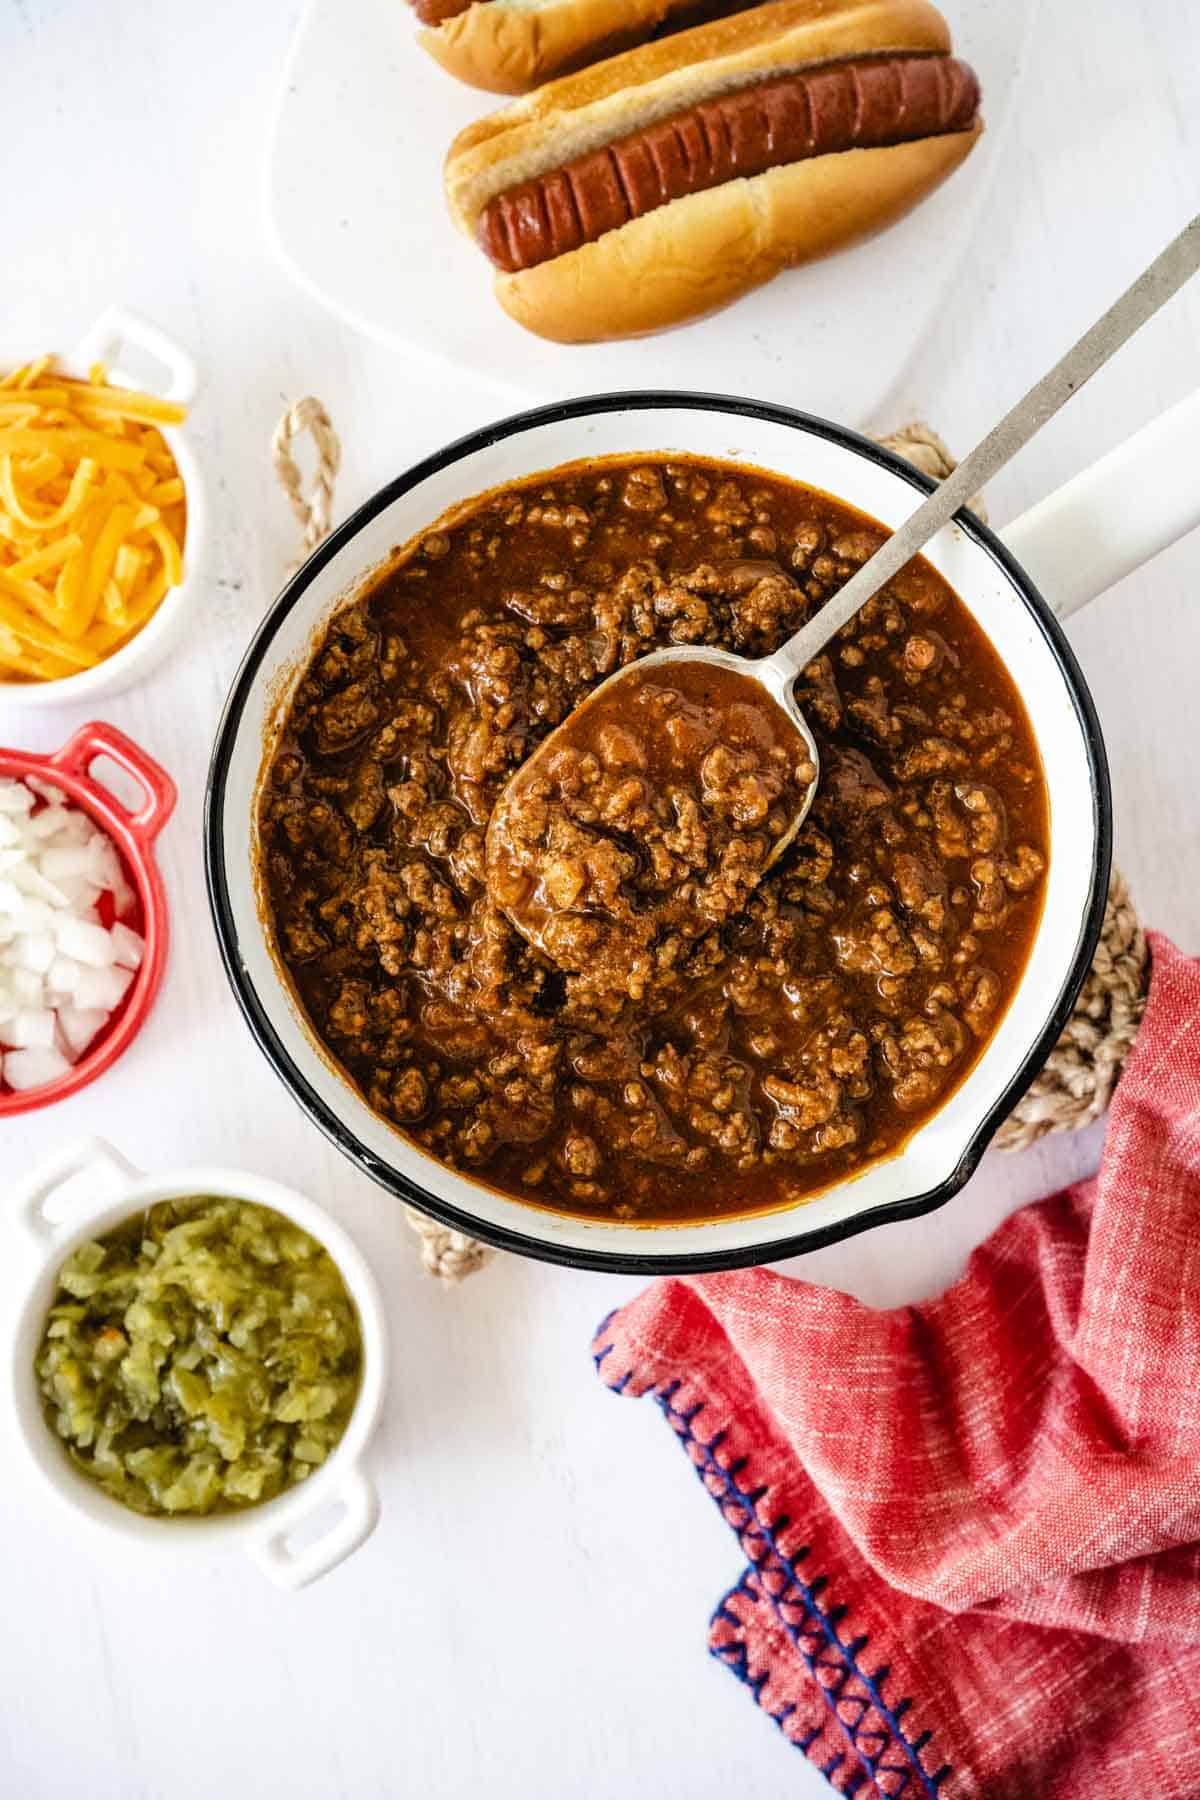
(776, 674)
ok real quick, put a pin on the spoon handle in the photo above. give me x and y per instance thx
(1152, 289)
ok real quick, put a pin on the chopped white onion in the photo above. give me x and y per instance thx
(62, 977)
(32, 1030)
(25, 1069)
(81, 895)
(45, 790)
(72, 859)
(15, 797)
(104, 988)
(27, 986)
(63, 972)
(36, 951)
(127, 946)
(56, 821)
(79, 1025)
(84, 941)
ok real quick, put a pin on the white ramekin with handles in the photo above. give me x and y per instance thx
(111, 1190)
(116, 335)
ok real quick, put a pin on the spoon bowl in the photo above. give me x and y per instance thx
(652, 813)
(769, 673)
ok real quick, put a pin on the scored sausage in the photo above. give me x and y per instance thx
(436, 12)
(865, 104)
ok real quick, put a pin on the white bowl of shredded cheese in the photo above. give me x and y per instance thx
(134, 354)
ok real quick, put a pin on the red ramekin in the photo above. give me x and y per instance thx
(133, 834)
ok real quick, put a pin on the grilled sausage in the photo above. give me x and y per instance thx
(436, 12)
(864, 104)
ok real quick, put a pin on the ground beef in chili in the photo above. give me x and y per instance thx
(648, 817)
(809, 1026)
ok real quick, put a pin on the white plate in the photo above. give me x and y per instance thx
(354, 205)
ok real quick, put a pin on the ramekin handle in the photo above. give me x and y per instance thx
(87, 1156)
(1116, 515)
(118, 327)
(360, 1515)
(100, 739)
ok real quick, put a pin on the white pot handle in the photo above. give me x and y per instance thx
(360, 1515)
(1116, 515)
(117, 327)
(93, 1156)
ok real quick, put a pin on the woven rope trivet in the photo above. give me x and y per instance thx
(1081, 1072)
(922, 447)
(314, 510)
(1077, 1082)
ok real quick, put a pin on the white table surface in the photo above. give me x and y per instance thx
(529, 1620)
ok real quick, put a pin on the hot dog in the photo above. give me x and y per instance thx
(815, 112)
(509, 46)
(663, 183)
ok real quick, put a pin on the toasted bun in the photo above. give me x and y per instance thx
(510, 46)
(582, 112)
(695, 255)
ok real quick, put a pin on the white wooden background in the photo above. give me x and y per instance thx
(530, 1618)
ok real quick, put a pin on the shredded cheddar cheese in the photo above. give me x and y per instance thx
(93, 519)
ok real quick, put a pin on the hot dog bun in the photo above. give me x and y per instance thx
(699, 252)
(510, 46)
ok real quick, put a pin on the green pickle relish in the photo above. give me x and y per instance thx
(202, 1357)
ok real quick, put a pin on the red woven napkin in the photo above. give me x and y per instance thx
(972, 1526)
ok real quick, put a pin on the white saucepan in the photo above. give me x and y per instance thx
(1069, 548)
